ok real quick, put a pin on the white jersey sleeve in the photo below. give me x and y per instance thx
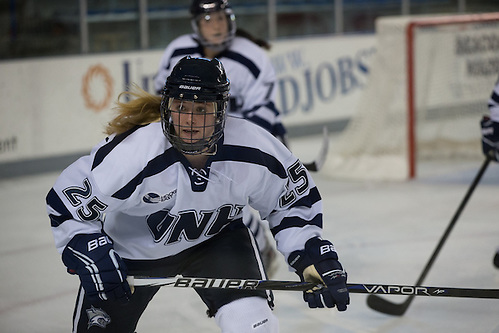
(494, 103)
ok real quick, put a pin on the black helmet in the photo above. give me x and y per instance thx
(196, 80)
(207, 6)
(201, 9)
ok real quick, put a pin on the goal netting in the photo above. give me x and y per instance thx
(428, 88)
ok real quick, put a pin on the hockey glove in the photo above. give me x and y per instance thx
(102, 272)
(490, 138)
(318, 263)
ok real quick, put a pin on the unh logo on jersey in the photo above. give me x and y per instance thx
(153, 197)
(190, 224)
(97, 317)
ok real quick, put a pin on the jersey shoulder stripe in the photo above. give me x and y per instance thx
(185, 52)
(107, 148)
(243, 132)
(246, 62)
(134, 149)
(269, 105)
(251, 155)
(181, 46)
(154, 167)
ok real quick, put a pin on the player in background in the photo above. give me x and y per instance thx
(162, 198)
(252, 77)
(490, 136)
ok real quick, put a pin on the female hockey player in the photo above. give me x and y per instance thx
(252, 77)
(165, 198)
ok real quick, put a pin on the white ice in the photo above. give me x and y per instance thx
(384, 232)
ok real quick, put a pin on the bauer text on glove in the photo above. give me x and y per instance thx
(101, 270)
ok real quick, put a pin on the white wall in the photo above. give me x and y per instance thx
(58, 106)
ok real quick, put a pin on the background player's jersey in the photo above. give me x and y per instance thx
(153, 204)
(252, 78)
(494, 103)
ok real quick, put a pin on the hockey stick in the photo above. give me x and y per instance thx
(196, 282)
(398, 309)
(321, 157)
(241, 284)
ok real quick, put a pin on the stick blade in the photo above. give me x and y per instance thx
(382, 305)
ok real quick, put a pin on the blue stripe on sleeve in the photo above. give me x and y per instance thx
(56, 203)
(296, 222)
(308, 200)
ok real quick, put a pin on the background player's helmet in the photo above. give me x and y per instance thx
(196, 80)
(201, 8)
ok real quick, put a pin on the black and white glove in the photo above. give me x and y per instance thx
(490, 138)
(318, 263)
(101, 270)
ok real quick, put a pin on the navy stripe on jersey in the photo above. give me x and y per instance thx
(155, 166)
(296, 222)
(251, 155)
(274, 129)
(309, 200)
(108, 147)
(56, 203)
(271, 106)
(185, 52)
(242, 60)
(261, 122)
(278, 130)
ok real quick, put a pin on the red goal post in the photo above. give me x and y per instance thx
(428, 87)
(411, 73)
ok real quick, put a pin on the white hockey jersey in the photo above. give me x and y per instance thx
(251, 75)
(143, 193)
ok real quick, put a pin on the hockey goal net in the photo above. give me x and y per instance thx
(428, 88)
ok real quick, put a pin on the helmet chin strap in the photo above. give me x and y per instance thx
(208, 152)
(212, 151)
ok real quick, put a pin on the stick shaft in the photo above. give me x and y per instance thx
(322, 155)
(382, 305)
(199, 282)
(241, 284)
(454, 220)
(413, 291)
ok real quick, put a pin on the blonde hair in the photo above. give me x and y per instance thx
(142, 108)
